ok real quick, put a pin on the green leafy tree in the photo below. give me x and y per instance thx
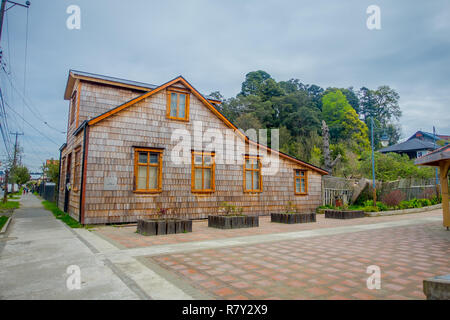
(20, 175)
(51, 171)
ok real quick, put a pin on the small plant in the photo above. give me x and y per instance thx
(428, 193)
(393, 198)
(161, 212)
(290, 208)
(370, 209)
(227, 208)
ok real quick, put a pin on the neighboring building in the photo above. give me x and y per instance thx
(426, 136)
(117, 165)
(418, 145)
(414, 148)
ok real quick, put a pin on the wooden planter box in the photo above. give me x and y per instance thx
(154, 227)
(341, 214)
(292, 218)
(233, 222)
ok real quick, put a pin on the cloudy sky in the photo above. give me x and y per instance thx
(214, 44)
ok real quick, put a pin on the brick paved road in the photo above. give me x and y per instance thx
(325, 267)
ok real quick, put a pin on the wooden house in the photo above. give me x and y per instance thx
(116, 165)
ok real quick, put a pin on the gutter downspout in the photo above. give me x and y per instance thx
(83, 174)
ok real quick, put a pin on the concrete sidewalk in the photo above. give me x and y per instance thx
(35, 254)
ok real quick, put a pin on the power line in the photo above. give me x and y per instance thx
(35, 112)
(49, 139)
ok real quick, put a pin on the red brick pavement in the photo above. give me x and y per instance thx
(325, 267)
(127, 237)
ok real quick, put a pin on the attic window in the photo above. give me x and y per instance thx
(177, 105)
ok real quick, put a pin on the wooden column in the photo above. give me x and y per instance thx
(444, 166)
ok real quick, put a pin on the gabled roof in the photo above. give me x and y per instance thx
(209, 105)
(135, 85)
(409, 145)
(429, 136)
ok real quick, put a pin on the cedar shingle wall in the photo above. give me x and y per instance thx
(111, 154)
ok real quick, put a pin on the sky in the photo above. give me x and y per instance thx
(214, 44)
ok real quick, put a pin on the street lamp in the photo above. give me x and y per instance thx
(362, 117)
(384, 139)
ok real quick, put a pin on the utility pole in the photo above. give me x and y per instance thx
(437, 174)
(5, 194)
(3, 9)
(15, 155)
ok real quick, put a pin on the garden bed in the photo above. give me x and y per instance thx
(233, 222)
(156, 227)
(344, 214)
(293, 218)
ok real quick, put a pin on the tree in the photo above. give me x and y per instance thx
(216, 95)
(343, 121)
(248, 121)
(51, 171)
(20, 175)
(253, 82)
(329, 164)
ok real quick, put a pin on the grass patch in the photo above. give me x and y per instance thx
(3, 220)
(64, 217)
(9, 205)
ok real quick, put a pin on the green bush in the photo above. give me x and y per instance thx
(9, 205)
(370, 209)
(3, 220)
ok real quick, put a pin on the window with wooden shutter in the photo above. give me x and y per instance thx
(252, 174)
(147, 170)
(301, 182)
(203, 172)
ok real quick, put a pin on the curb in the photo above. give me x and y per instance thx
(403, 211)
(5, 227)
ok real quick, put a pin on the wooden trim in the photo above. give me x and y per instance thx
(62, 174)
(202, 167)
(78, 104)
(258, 170)
(76, 169)
(109, 82)
(132, 101)
(137, 164)
(300, 178)
(169, 104)
(83, 184)
(72, 107)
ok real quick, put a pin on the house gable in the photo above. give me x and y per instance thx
(181, 81)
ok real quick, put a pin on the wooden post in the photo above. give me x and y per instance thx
(444, 166)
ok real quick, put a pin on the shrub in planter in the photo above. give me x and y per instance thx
(232, 219)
